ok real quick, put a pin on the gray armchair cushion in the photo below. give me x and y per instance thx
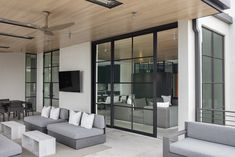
(8, 147)
(211, 133)
(64, 114)
(74, 132)
(197, 148)
(140, 102)
(99, 122)
(41, 121)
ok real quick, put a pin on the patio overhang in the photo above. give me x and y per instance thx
(93, 22)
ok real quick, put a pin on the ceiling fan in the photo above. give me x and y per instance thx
(46, 29)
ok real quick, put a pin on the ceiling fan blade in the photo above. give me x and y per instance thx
(60, 27)
(18, 23)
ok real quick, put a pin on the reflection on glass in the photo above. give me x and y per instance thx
(55, 74)
(47, 74)
(47, 90)
(55, 58)
(31, 75)
(218, 46)
(30, 89)
(103, 52)
(123, 71)
(218, 71)
(47, 60)
(207, 69)
(206, 38)
(31, 61)
(56, 90)
(143, 46)
(123, 49)
(47, 102)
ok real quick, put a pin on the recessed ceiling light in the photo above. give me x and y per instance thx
(106, 3)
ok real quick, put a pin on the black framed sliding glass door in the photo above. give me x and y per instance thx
(129, 78)
(50, 78)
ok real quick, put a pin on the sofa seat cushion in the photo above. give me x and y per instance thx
(41, 121)
(195, 148)
(74, 132)
(8, 147)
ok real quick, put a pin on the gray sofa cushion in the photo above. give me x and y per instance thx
(74, 132)
(99, 122)
(41, 121)
(197, 148)
(64, 114)
(211, 133)
(8, 147)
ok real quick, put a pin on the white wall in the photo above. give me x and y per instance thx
(77, 57)
(186, 61)
(39, 82)
(12, 76)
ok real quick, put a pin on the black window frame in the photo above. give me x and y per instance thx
(31, 82)
(213, 83)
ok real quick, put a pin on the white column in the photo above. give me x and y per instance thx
(39, 82)
(186, 54)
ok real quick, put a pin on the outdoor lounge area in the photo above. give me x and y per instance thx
(117, 78)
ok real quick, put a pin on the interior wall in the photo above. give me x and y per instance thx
(12, 76)
(77, 57)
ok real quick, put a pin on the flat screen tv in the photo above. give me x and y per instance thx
(69, 81)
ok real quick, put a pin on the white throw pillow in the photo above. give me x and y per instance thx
(46, 111)
(87, 120)
(74, 117)
(163, 104)
(55, 113)
(166, 98)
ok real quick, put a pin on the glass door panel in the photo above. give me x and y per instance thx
(31, 79)
(103, 81)
(51, 80)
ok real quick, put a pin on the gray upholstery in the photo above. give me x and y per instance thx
(79, 143)
(64, 114)
(78, 137)
(41, 121)
(74, 132)
(201, 139)
(211, 133)
(99, 122)
(166, 117)
(9, 148)
(198, 148)
(140, 102)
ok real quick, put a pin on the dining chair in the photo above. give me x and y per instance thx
(3, 110)
(15, 107)
(28, 108)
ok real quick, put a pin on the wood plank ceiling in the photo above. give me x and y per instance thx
(92, 22)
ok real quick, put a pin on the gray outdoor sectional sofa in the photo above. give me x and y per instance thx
(201, 140)
(9, 148)
(73, 136)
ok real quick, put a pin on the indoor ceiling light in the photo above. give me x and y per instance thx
(16, 36)
(106, 3)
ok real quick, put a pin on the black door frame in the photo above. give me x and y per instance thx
(51, 82)
(153, 30)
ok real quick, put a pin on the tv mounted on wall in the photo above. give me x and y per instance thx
(69, 81)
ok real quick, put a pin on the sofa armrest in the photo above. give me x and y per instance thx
(168, 140)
